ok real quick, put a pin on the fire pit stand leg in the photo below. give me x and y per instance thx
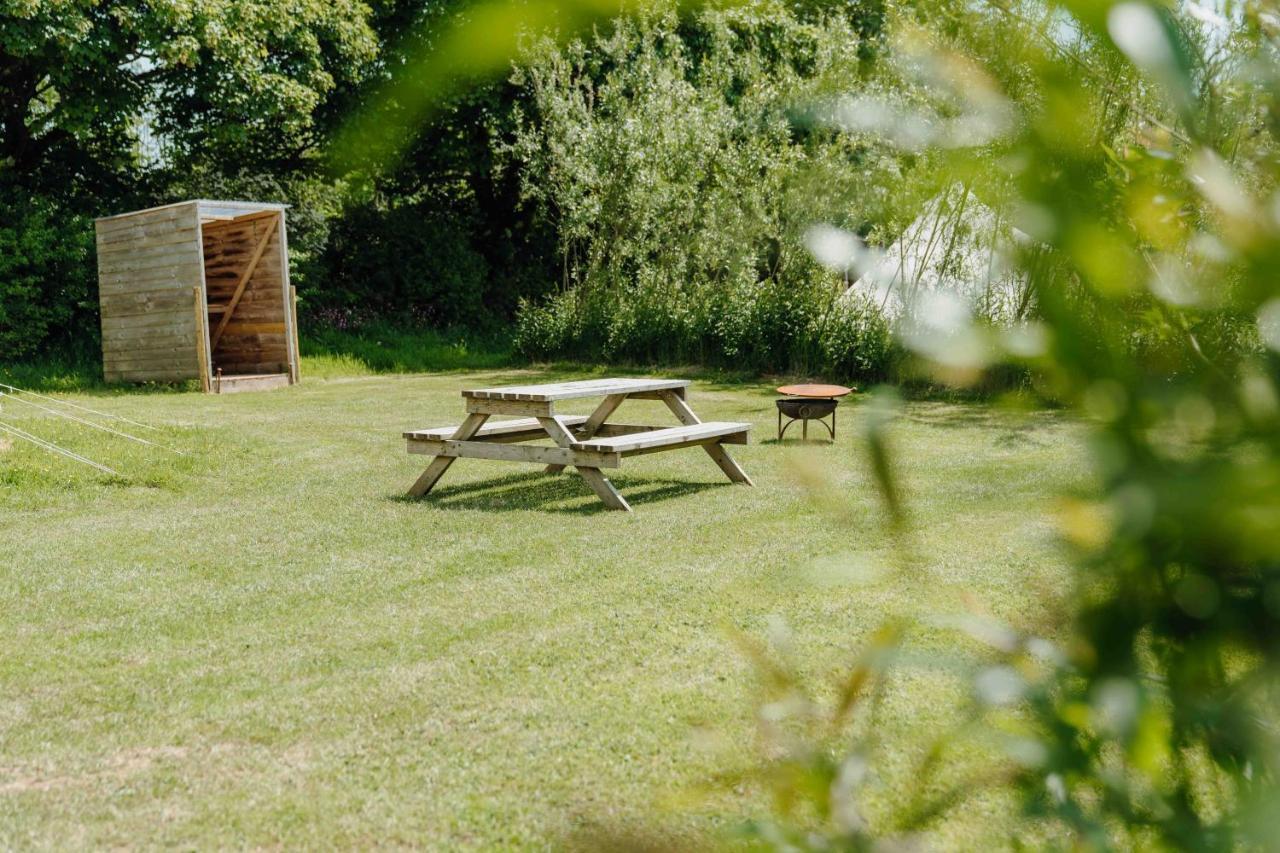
(805, 410)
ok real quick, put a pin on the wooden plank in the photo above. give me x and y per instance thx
(169, 339)
(175, 374)
(659, 395)
(174, 283)
(155, 238)
(295, 369)
(250, 217)
(202, 357)
(508, 407)
(146, 324)
(252, 382)
(244, 280)
(241, 329)
(182, 236)
(152, 236)
(141, 268)
(253, 346)
(737, 438)
(513, 453)
(708, 431)
(168, 213)
(440, 464)
(181, 270)
(254, 364)
(255, 311)
(239, 208)
(142, 347)
(180, 361)
(120, 291)
(552, 391)
(177, 356)
(148, 290)
(161, 323)
(121, 265)
(118, 354)
(157, 299)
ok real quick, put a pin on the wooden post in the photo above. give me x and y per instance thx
(201, 353)
(295, 369)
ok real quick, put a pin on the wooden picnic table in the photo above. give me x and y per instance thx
(587, 442)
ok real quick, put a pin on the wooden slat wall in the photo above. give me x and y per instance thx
(148, 263)
(255, 340)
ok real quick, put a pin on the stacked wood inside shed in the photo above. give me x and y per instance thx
(147, 263)
(244, 293)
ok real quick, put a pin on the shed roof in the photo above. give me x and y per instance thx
(251, 206)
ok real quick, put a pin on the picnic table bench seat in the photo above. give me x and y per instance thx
(670, 438)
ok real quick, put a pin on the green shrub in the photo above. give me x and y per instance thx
(46, 279)
(856, 340)
(665, 155)
(404, 261)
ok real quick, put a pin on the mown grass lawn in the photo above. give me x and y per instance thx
(261, 643)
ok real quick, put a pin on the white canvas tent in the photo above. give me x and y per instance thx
(957, 246)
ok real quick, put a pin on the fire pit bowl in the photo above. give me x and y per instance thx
(806, 403)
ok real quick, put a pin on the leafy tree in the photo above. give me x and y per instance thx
(234, 82)
(104, 104)
(663, 153)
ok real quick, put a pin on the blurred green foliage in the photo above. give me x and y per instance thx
(1141, 155)
(674, 163)
(1133, 145)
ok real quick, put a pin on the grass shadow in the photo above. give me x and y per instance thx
(825, 441)
(1008, 427)
(559, 494)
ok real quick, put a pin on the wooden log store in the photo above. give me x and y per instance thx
(198, 290)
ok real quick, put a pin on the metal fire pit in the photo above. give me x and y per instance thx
(806, 403)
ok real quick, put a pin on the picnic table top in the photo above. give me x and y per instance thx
(547, 392)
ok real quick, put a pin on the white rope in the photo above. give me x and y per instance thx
(89, 423)
(75, 406)
(49, 445)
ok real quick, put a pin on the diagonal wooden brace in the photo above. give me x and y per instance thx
(598, 482)
(606, 408)
(244, 280)
(718, 454)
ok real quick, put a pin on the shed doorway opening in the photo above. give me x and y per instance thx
(249, 308)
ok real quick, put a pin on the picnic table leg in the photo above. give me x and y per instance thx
(607, 407)
(716, 451)
(598, 482)
(440, 464)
